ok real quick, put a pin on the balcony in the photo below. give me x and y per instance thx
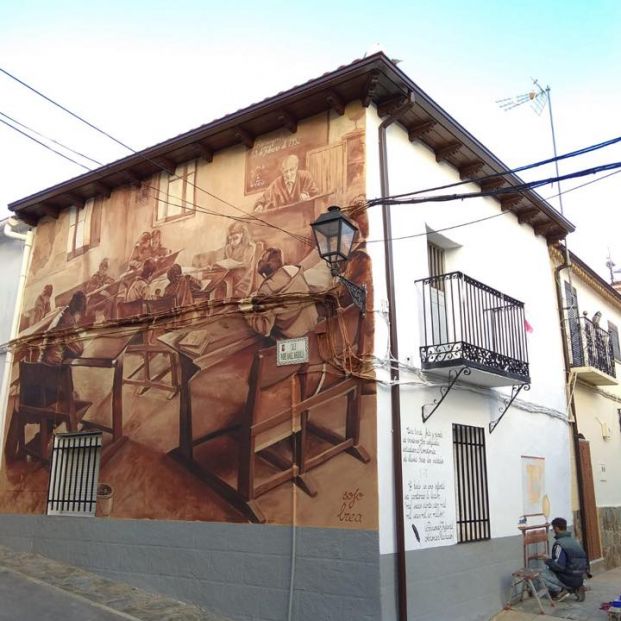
(468, 324)
(591, 355)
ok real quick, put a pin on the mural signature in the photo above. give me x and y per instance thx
(350, 500)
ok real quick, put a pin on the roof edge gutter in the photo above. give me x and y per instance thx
(395, 394)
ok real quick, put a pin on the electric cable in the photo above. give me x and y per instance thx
(141, 155)
(44, 145)
(184, 204)
(60, 144)
(568, 155)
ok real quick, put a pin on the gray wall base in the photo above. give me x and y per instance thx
(464, 582)
(238, 570)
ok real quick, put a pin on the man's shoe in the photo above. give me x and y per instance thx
(558, 595)
(581, 593)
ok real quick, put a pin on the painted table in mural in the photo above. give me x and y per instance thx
(198, 350)
(106, 352)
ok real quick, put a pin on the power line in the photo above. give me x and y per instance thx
(571, 154)
(497, 215)
(44, 145)
(147, 159)
(498, 191)
(577, 187)
(60, 144)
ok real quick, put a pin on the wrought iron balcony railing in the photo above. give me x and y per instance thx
(590, 345)
(467, 323)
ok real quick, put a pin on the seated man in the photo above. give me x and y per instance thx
(566, 569)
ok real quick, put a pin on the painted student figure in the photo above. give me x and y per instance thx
(56, 350)
(43, 305)
(290, 321)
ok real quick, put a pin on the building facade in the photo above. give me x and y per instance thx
(591, 311)
(164, 287)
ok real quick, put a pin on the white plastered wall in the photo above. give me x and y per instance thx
(507, 256)
(597, 406)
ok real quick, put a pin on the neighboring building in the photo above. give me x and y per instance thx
(14, 254)
(591, 315)
(172, 276)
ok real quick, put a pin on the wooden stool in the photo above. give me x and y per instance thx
(525, 579)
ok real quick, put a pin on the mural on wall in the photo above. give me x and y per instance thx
(154, 316)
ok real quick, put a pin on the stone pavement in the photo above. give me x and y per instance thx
(35, 587)
(601, 588)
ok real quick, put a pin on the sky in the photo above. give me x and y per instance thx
(147, 71)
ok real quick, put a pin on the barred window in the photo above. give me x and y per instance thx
(473, 522)
(74, 474)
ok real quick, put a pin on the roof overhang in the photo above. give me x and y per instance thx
(373, 80)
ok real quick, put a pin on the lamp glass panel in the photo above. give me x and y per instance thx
(348, 234)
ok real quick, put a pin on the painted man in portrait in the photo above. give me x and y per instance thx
(292, 186)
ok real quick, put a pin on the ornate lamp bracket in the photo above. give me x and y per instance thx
(429, 408)
(515, 391)
(358, 294)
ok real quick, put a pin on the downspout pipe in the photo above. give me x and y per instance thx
(8, 362)
(395, 394)
(572, 402)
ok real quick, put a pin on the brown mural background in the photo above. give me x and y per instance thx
(154, 315)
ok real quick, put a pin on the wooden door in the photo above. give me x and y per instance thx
(590, 508)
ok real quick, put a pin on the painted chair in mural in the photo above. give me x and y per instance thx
(325, 387)
(156, 360)
(46, 399)
(262, 423)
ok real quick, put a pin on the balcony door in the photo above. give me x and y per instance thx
(573, 321)
(437, 295)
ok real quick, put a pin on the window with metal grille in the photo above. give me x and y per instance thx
(435, 257)
(614, 338)
(74, 474)
(471, 483)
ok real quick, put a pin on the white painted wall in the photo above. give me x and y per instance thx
(596, 407)
(507, 256)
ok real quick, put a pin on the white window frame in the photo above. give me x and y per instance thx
(176, 193)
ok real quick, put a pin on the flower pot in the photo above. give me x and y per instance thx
(104, 500)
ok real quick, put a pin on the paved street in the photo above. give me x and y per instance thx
(25, 598)
(603, 587)
(34, 587)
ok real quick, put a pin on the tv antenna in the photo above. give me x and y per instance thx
(538, 97)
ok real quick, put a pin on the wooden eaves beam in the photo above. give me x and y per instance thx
(286, 119)
(417, 131)
(245, 137)
(204, 150)
(444, 152)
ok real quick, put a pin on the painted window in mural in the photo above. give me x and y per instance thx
(165, 338)
(176, 193)
(84, 227)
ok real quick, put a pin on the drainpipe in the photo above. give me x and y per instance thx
(8, 363)
(572, 402)
(395, 397)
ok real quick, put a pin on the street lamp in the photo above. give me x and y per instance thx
(334, 236)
